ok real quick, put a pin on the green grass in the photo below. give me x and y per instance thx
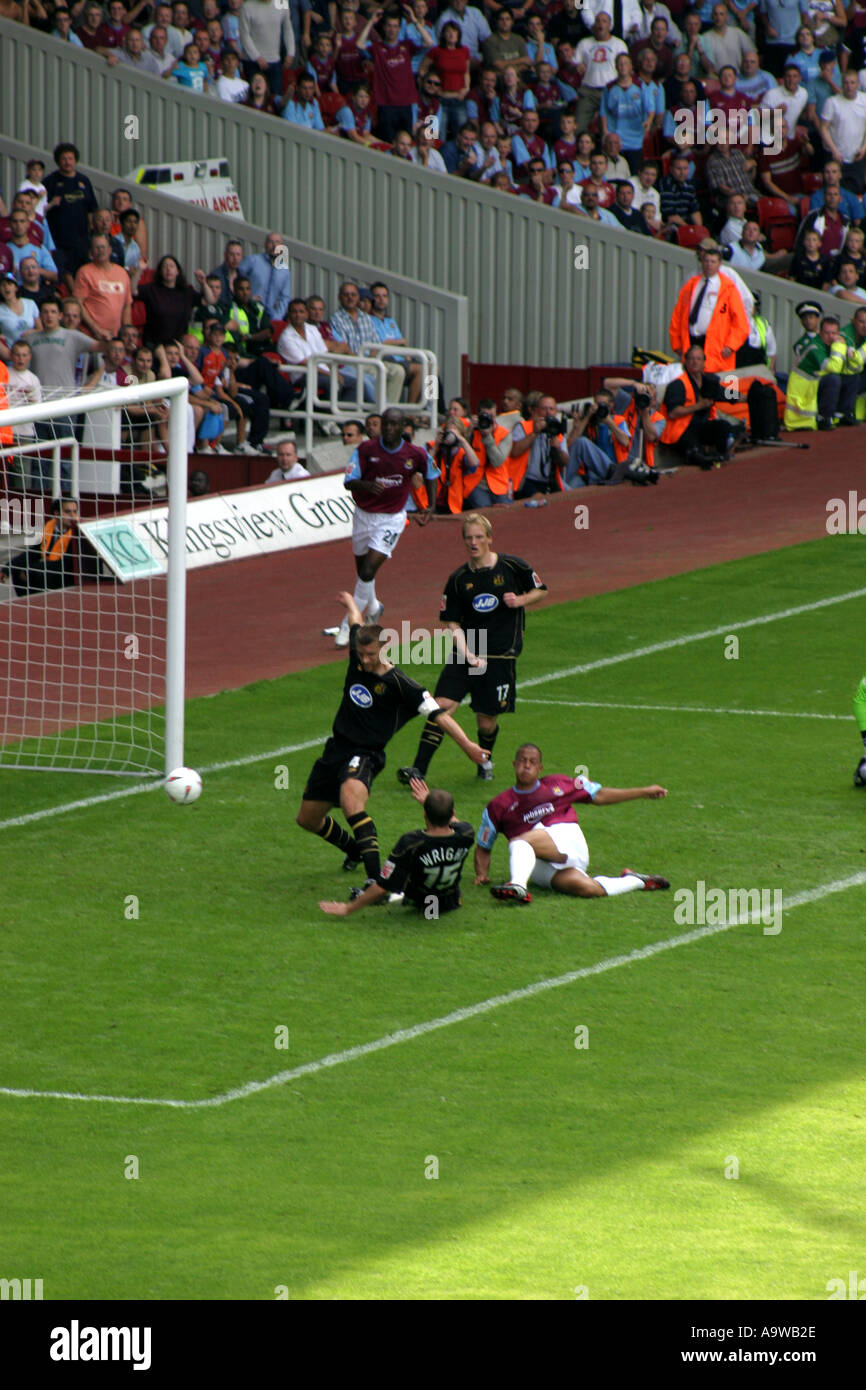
(558, 1168)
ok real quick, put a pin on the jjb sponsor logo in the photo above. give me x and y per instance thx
(360, 695)
(485, 603)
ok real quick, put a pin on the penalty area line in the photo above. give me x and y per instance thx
(682, 709)
(433, 1025)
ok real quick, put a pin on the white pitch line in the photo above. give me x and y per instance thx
(683, 709)
(667, 645)
(139, 789)
(692, 637)
(485, 1006)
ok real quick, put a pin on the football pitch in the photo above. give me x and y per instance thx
(210, 1090)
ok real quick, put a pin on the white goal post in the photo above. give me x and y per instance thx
(71, 695)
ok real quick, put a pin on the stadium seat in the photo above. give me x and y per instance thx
(778, 224)
(690, 236)
(811, 182)
(772, 210)
(329, 105)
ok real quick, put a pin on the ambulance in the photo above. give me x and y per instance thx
(204, 182)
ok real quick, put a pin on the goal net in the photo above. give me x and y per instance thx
(92, 619)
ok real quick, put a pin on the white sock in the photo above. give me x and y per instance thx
(374, 601)
(521, 858)
(629, 883)
(362, 594)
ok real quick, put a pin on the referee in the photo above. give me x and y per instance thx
(483, 606)
(378, 699)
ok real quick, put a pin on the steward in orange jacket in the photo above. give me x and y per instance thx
(51, 564)
(728, 327)
(694, 428)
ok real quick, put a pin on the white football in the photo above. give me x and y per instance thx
(183, 785)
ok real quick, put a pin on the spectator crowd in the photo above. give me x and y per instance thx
(82, 308)
(608, 113)
(604, 111)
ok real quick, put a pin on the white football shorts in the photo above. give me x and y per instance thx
(570, 840)
(376, 531)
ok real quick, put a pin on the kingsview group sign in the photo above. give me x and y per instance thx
(282, 516)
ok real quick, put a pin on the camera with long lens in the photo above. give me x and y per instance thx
(554, 426)
(449, 439)
(601, 411)
(485, 420)
(642, 397)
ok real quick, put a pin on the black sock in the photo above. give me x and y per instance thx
(431, 737)
(335, 835)
(488, 740)
(367, 840)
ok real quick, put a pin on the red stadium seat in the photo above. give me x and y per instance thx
(139, 314)
(146, 276)
(810, 182)
(781, 236)
(691, 236)
(329, 105)
(772, 210)
(777, 223)
(277, 326)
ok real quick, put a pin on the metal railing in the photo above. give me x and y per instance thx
(429, 403)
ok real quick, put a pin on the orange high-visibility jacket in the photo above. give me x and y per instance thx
(54, 550)
(729, 326)
(630, 422)
(674, 428)
(517, 466)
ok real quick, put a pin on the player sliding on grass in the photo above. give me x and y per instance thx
(545, 843)
(378, 699)
(860, 716)
(424, 867)
(483, 606)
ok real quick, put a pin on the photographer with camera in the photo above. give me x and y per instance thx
(491, 443)
(538, 453)
(639, 403)
(590, 442)
(458, 464)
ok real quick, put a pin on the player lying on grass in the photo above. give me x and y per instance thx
(378, 699)
(545, 843)
(424, 867)
(860, 716)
